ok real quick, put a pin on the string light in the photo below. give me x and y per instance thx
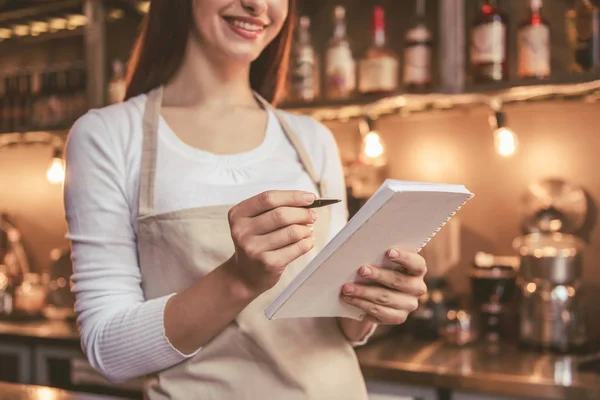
(505, 140)
(372, 150)
(56, 172)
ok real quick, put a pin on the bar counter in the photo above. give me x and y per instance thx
(503, 370)
(11, 391)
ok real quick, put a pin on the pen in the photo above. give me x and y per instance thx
(322, 203)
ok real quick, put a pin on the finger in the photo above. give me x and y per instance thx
(282, 257)
(278, 239)
(279, 218)
(269, 200)
(380, 314)
(399, 281)
(412, 262)
(382, 296)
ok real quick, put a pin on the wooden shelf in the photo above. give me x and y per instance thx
(42, 9)
(574, 86)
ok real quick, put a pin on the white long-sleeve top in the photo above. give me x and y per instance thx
(123, 333)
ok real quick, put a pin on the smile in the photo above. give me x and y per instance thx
(248, 28)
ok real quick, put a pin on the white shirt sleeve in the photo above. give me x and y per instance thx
(122, 334)
(333, 174)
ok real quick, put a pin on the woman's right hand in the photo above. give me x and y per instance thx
(269, 231)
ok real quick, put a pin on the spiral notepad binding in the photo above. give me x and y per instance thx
(439, 228)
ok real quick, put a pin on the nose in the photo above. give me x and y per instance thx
(255, 7)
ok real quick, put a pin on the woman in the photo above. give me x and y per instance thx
(184, 212)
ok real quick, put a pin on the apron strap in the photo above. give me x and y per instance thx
(149, 148)
(300, 148)
(150, 140)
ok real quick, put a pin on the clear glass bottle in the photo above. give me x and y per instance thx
(340, 66)
(489, 45)
(117, 85)
(417, 54)
(534, 44)
(583, 26)
(378, 70)
(304, 69)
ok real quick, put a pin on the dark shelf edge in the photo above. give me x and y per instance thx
(29, 12)
(563, 79)
(480, 89)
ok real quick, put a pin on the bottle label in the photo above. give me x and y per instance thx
(304, 78)
(488, 43)
(378, 74)
(417, 65)
(340, 70)
(534, 51)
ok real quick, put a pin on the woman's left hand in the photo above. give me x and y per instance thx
(390, 295)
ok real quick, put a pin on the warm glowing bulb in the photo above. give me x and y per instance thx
(144, 7)
(505, 141)
(56, 172)
(373, 147)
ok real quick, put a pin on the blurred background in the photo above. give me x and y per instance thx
(501, 96)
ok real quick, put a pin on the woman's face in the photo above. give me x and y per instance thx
(238, 29)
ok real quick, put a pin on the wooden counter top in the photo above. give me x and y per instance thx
(503, 370)
(11, 391)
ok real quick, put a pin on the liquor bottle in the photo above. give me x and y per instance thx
(489, 47)
(417, 54)
(25, 106)
(583, 27)
(52, 103)
(117, 85)
(534, 44)
(3, 109)
(9, 95)
(340, 67)
(378, 70)
(304, 71)
(40, 110)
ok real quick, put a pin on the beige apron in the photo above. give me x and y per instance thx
(252, 358)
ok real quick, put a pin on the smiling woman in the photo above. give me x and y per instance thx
(169, 25)
(187, 213)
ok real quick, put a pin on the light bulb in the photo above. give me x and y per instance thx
(505, 141)
(56, 172)
(373, 146)
(372, 150)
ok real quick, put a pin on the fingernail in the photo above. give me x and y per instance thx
(348, 289)
(393, 253)
(309, 197)
(312, 229)
(313, 214)
(366, 272)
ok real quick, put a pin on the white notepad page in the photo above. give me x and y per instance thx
(400, 213)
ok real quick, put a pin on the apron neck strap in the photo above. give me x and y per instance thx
(150, 143)
(297, 143)
(149, 147)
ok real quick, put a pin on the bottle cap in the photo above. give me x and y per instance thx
(378, 18)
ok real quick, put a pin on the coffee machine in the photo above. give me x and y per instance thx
(552, 310)
(493, 286)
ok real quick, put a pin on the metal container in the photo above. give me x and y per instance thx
(551, 310)
(555, 258)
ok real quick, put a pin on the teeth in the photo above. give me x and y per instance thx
(247, 26)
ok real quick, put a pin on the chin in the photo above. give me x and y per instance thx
(239, 54)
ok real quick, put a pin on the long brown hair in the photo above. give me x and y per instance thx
(161, 45)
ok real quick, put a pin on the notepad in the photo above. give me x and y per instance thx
(400, 213)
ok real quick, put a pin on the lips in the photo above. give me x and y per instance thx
(247, 27)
